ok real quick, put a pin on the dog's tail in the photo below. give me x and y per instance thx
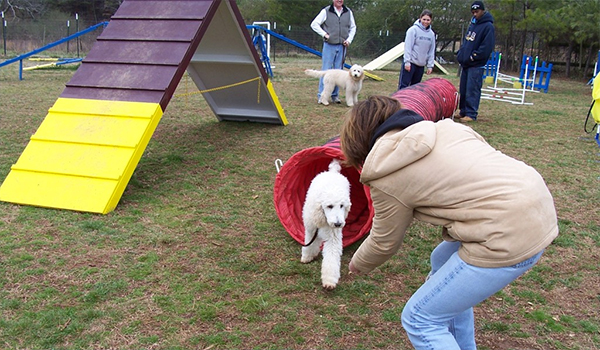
(314, 73)
(335, 166)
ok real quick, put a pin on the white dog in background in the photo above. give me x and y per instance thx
(350, 81)
(324, 214)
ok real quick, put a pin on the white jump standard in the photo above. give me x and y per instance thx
(514, 95)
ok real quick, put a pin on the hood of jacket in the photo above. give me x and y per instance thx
(397, 121)
(421, 26)
(487, 17)
(400, 147)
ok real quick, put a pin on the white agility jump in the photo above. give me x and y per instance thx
(514, 95)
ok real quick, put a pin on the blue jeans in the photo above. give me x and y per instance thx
(471, 80)
(439, 316)
(332, 57)
(413, 77)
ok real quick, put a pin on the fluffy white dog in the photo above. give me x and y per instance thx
(350, 81)
(324, 214)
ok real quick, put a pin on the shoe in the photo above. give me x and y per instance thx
(457, 114)
(336, 100)
(466, 120)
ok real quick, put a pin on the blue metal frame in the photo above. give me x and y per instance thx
(259, 42)
(20, 58)
(290, 41)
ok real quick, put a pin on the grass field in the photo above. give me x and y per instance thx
(194, 256)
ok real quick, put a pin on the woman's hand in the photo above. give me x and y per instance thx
(352, 269)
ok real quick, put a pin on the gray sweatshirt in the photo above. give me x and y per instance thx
(419, 45)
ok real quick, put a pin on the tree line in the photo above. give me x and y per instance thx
(566, 31)
(555, 30)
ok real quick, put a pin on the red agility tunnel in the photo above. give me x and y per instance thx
(294, 178)
(433, 99)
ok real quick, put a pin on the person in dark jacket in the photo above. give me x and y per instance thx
(473, 55)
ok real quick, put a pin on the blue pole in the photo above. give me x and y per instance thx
(290, 41)
(61, 41)
(20, 58)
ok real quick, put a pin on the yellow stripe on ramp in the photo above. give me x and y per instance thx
(82, 155)
(276, 102)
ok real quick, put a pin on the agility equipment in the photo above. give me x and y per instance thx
(20, 58)
(293, 179)
(594, 111)
(57, 62)
(391, 55)
(434, 99)
(86, 149)
(266, 59)
(491, 67)
(536, 75)
(386, 58)
(532, 76)
(514, 94)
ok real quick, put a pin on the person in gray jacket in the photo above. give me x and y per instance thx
(419, 51)
(496, 213)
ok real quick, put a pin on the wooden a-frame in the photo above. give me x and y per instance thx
(83, 154)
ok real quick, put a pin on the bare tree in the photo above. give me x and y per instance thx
(23, 9)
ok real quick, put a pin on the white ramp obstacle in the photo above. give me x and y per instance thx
(390, 56)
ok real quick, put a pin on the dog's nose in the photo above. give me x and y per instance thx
(338, 224)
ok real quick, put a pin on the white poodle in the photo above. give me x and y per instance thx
(324, 215)
(350, 81)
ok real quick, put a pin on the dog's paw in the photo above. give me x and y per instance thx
(306, 259)
(325, 103)
(329, 286)
(329, 282)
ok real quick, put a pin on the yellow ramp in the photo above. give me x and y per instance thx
(83, 155)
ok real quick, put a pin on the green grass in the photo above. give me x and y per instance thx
(194, 255)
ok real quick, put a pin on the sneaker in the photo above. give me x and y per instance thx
(466, 120)
(336, 100)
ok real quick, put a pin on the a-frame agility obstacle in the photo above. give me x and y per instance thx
(83, 154)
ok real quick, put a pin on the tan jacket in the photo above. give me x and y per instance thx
(445, 173)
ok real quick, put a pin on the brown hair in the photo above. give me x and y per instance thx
(360, 125)
(427, 13)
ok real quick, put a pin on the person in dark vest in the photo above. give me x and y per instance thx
(335, 24)
(472, 56)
